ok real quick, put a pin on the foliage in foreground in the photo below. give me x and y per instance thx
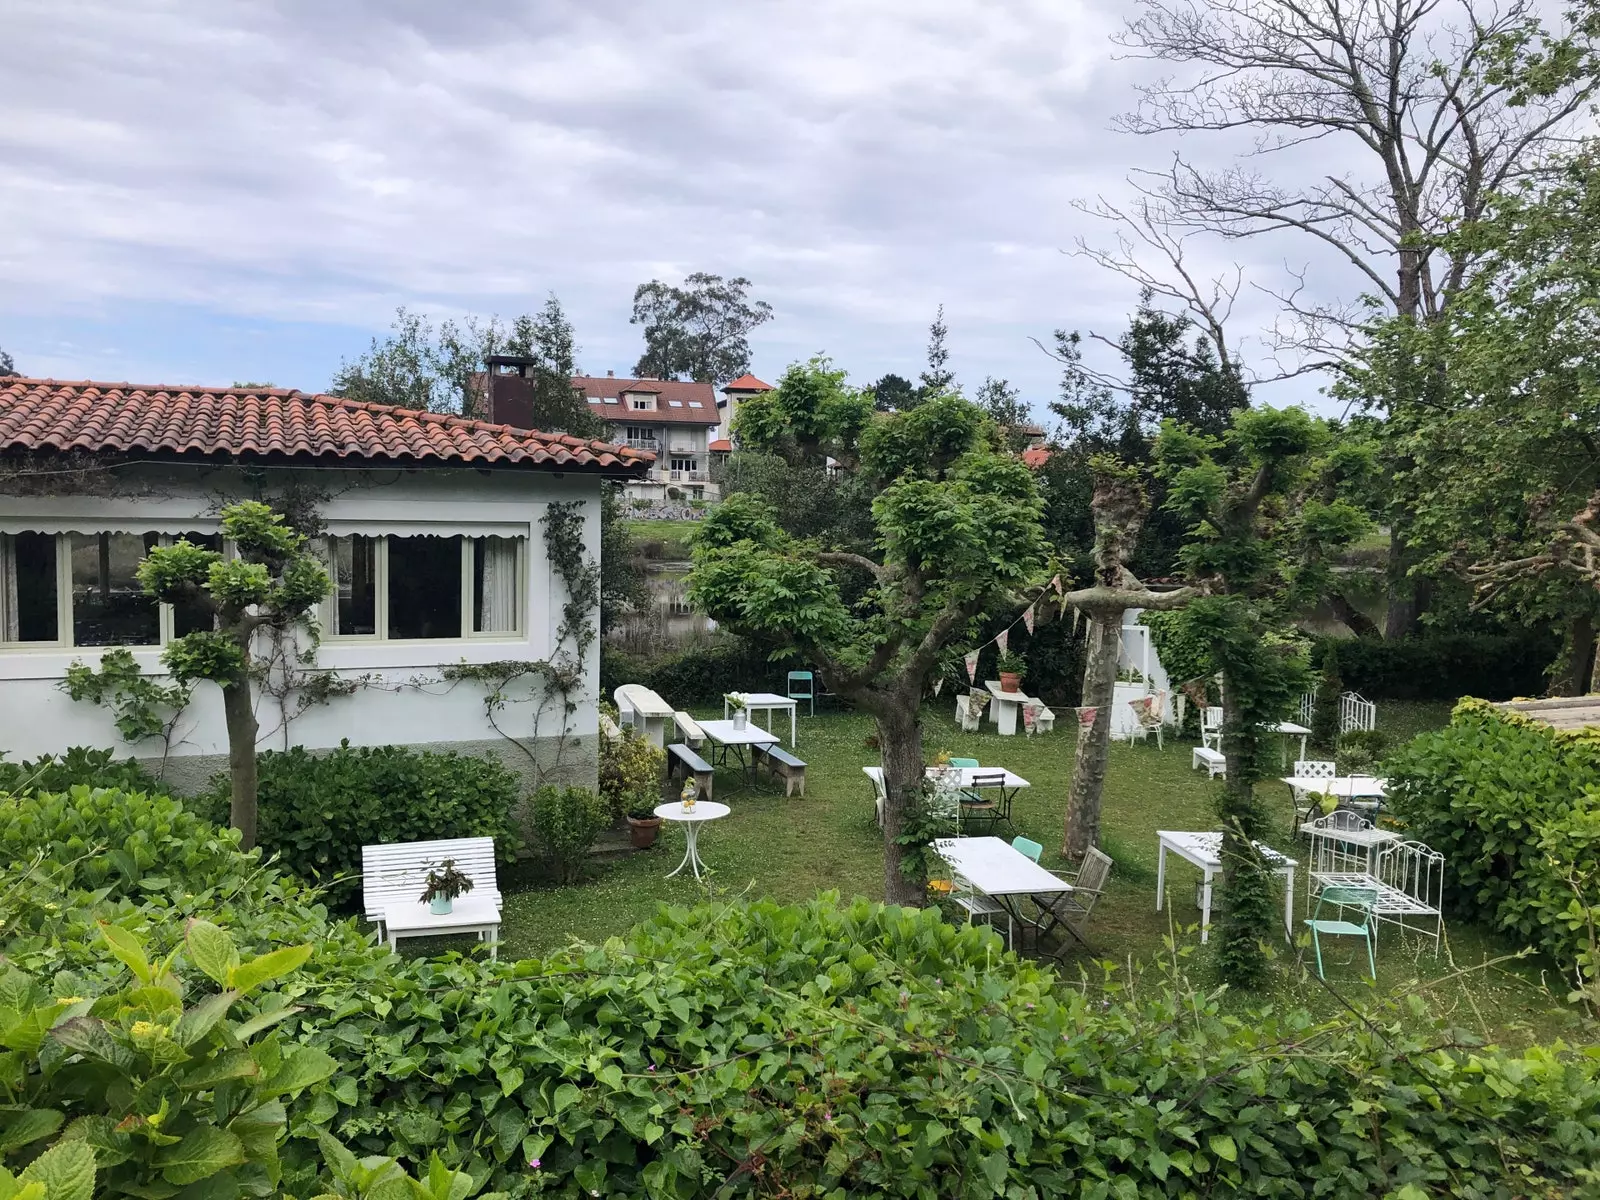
(821, 1049)
(1514, 806)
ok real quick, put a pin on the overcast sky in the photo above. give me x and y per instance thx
(202, 192)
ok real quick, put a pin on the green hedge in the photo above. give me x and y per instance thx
(700, 676)
(317, 810)
(823, 1050)
(1445, 666)
(1514, 806)
(80, 764)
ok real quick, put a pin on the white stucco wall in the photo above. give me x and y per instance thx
(400, 708)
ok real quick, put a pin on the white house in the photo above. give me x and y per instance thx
(435, 529)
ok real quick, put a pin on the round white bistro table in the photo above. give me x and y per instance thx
(704, 810)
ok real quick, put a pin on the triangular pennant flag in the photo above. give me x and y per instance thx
(1076, 613)
(1002, 639)
(1030, 714)
(1027, 618)
(938, 684)
(1086, 716)
(972, 666)
(1055, 582)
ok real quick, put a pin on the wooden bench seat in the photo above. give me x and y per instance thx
(682, 760)
(780, 762)
(1211, 760)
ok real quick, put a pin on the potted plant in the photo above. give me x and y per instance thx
(736, 705)
(643, 824)
(445, 883)
(1012, 668)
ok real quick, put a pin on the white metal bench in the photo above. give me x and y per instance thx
(393, 875)
(1212, 760)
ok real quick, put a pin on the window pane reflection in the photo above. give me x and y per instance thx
(424, 587)
(355, 581)
(109, 608)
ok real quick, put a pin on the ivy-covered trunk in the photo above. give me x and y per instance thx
(239, 711)
(905, 874)
(1247, 904)
(1094, 744)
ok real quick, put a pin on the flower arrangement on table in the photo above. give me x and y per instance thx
(444, 884)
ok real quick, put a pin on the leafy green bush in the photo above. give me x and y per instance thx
(566, 821)
(1445, 666)
(80, 764)
(699, 676)
(631, 767)
(1514, 806)
(1325, 707)
(318, 810)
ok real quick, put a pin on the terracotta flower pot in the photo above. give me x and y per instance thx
(642, 831)
(1010, 681)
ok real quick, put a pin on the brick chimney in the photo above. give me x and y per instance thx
(508, 397)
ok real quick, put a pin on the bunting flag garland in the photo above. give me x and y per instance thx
(1076, 613)
(1003, 639)
(938, 685)
(1055, 582)
(1086, 716)
(1030, 713)
(1027, 619)
(971, 659)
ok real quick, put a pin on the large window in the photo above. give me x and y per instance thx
(424, 588)
(82, 589)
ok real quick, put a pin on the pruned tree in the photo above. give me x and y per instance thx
(1247, 498)
(701, 329)
(1119, 505)
(958, 531)
(272, 583)
(1442, 103)
(810, 415)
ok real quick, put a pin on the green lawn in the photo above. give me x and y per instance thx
(793, 849)
(673, 534)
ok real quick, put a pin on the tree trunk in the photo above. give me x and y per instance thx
(1408, 597)
(1094, 744)
(1247, 915)
(1573, 677)
(240, 714)
(900, 738)
(1354, 619)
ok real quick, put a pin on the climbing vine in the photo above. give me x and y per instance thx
(141, 708)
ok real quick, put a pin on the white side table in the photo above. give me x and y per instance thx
(1204, 850)
(469, 914)
(704, 810)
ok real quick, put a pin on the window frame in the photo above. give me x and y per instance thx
(380, 592)
(165, 614)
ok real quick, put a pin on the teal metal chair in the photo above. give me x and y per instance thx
(963, 762)
(1363, 900)
(1027, 846)
(810, 693)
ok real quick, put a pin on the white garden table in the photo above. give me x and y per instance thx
(1007, 706)
(468, 914)
(991, 866)
(1372, 840)
(704, 810)
(1204, 850)
(1008, 783)
(1346, 787)
(725, 735)
(769, 703)
(1289, 729)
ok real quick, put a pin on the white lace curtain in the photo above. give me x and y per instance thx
(9, 628)
(497, 604)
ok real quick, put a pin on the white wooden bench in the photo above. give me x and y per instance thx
(394, 875)
(780, 762)
(1211, 760)
(689, 730)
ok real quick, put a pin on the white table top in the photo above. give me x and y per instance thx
(1348, 786)
(704, 810)
(470, 909)
(724, 734)
(1010, 697)
(1371, 836)
(644, 701)
(995, 869)
(967, 775)
(1291, 728)
(1204, 847)
(764, 700)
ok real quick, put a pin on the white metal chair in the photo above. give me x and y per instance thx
(1211, 727)
(1309, 769)
(1147, 718)
(1411, 884)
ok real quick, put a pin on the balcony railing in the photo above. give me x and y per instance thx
(649, 444)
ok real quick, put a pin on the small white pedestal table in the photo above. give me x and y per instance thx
(723, 734)
(1289, 729)
(1204, 850)
(769, 703)
(704, 810)
(1007, 706)
(469, 914)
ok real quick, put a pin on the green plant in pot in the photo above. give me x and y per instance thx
(1012, 668)
(736, 705)
(444, 884)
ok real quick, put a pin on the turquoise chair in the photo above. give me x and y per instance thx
(809, 695)
(1027, 846)
(963, 762)
(1363, 900)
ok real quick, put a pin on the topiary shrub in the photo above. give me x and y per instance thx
(1325, 707)
(1514, 806)
(79, 765)
(318, 810)
(566, 821)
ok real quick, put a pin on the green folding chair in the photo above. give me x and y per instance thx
(808, 693)
(963, 762)
(1027, 846)
(1363, 900)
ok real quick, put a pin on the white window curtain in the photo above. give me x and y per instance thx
(497, 603)
(9, 628)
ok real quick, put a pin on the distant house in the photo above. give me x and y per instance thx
(735, 394)
(432, 529)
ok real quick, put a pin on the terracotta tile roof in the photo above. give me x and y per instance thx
(597, 390)
(1036, 457)
(721, 444)
(50, 414)
(747, 383)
